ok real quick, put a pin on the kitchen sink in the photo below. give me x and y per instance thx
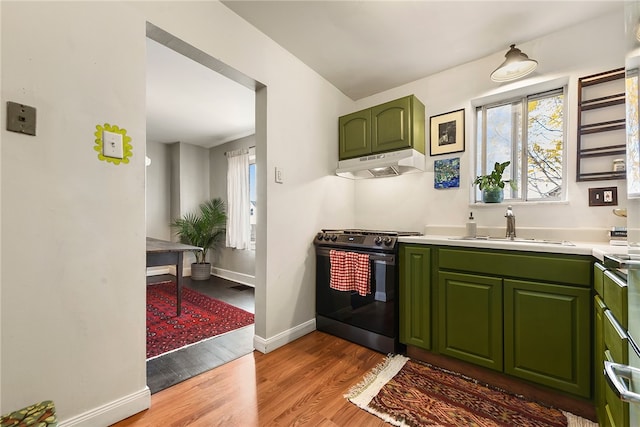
(515, 240)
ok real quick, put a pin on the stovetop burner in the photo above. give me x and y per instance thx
(371, 232)
(377, 240)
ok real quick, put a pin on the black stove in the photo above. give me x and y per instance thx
(369, 319)
(375, 240)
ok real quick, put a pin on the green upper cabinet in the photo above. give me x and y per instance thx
(391, 126)
(355, 134)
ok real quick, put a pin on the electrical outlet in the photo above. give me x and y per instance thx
(604, 196)
(21, 118)
(112, 145)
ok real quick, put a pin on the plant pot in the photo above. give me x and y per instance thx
(201, 271)
(493, 195)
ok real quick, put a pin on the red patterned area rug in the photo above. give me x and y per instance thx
(404, 392)
(202, 318)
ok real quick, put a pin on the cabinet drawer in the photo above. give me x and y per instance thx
(617, 411)
(615, 338)
(556, 268)
(598, 278)
(615, 297)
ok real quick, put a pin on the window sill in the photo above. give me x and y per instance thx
(519, 203)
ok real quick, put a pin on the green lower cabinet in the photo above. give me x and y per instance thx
(546, 339)
(525, 314)
(600, 383)
(415, 296)
(470, 318)
(616, 411)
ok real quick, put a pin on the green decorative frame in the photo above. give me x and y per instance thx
(127, 148)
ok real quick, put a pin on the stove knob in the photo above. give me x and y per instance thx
(378, 240)
(334, 237)
(326, 237)
(387, 241)
(319, 236)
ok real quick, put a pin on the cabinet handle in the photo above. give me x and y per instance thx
(625, 262)
(614, 373)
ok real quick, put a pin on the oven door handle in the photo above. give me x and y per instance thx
(385, 258)
(614, 372)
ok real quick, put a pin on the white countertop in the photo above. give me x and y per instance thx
(595, 249)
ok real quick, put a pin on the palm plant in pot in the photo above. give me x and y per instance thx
(206, 228)
(492, 184)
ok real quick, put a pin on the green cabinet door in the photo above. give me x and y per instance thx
(390, 123)
(355, 134)
(470, 318)
(598, 351)
(415, 296)
(547, 336)
(398, 124)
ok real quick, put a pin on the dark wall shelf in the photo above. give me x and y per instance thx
(601, 117)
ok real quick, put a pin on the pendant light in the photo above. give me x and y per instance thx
(516, 65)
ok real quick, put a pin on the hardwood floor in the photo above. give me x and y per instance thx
(172, 368)
(301, 383)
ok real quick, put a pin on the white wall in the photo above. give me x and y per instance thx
(73, 228)
(194, 177)
(73, 237)
(158, 184)
(411, 202)
(192, 185)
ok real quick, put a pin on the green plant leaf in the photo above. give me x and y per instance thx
(205, 229)
(494, 178)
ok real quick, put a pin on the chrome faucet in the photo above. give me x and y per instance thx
(511, 223)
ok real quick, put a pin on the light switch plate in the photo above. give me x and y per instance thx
(279, 175)
(112, 145)
(21, 118)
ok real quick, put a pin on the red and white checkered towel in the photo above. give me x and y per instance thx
(350, 271)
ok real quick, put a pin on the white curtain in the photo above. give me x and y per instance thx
(238, 206)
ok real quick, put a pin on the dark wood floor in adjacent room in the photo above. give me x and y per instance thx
(302, 383)
(172, 368)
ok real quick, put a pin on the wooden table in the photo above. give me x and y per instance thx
(161, 252)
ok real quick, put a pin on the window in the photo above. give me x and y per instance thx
(528, 131)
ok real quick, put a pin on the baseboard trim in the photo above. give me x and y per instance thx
(283, 338)
(157, 271)
(112, 412)
(234, 276)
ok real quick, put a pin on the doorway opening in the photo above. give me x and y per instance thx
(186, 166)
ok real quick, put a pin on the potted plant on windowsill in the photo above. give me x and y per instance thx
(492, 184)
(205, 229)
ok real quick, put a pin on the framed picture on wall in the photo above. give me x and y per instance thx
(446, 173)
(447, 133)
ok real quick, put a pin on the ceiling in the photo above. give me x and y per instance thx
(361, 47)
(191, 103)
